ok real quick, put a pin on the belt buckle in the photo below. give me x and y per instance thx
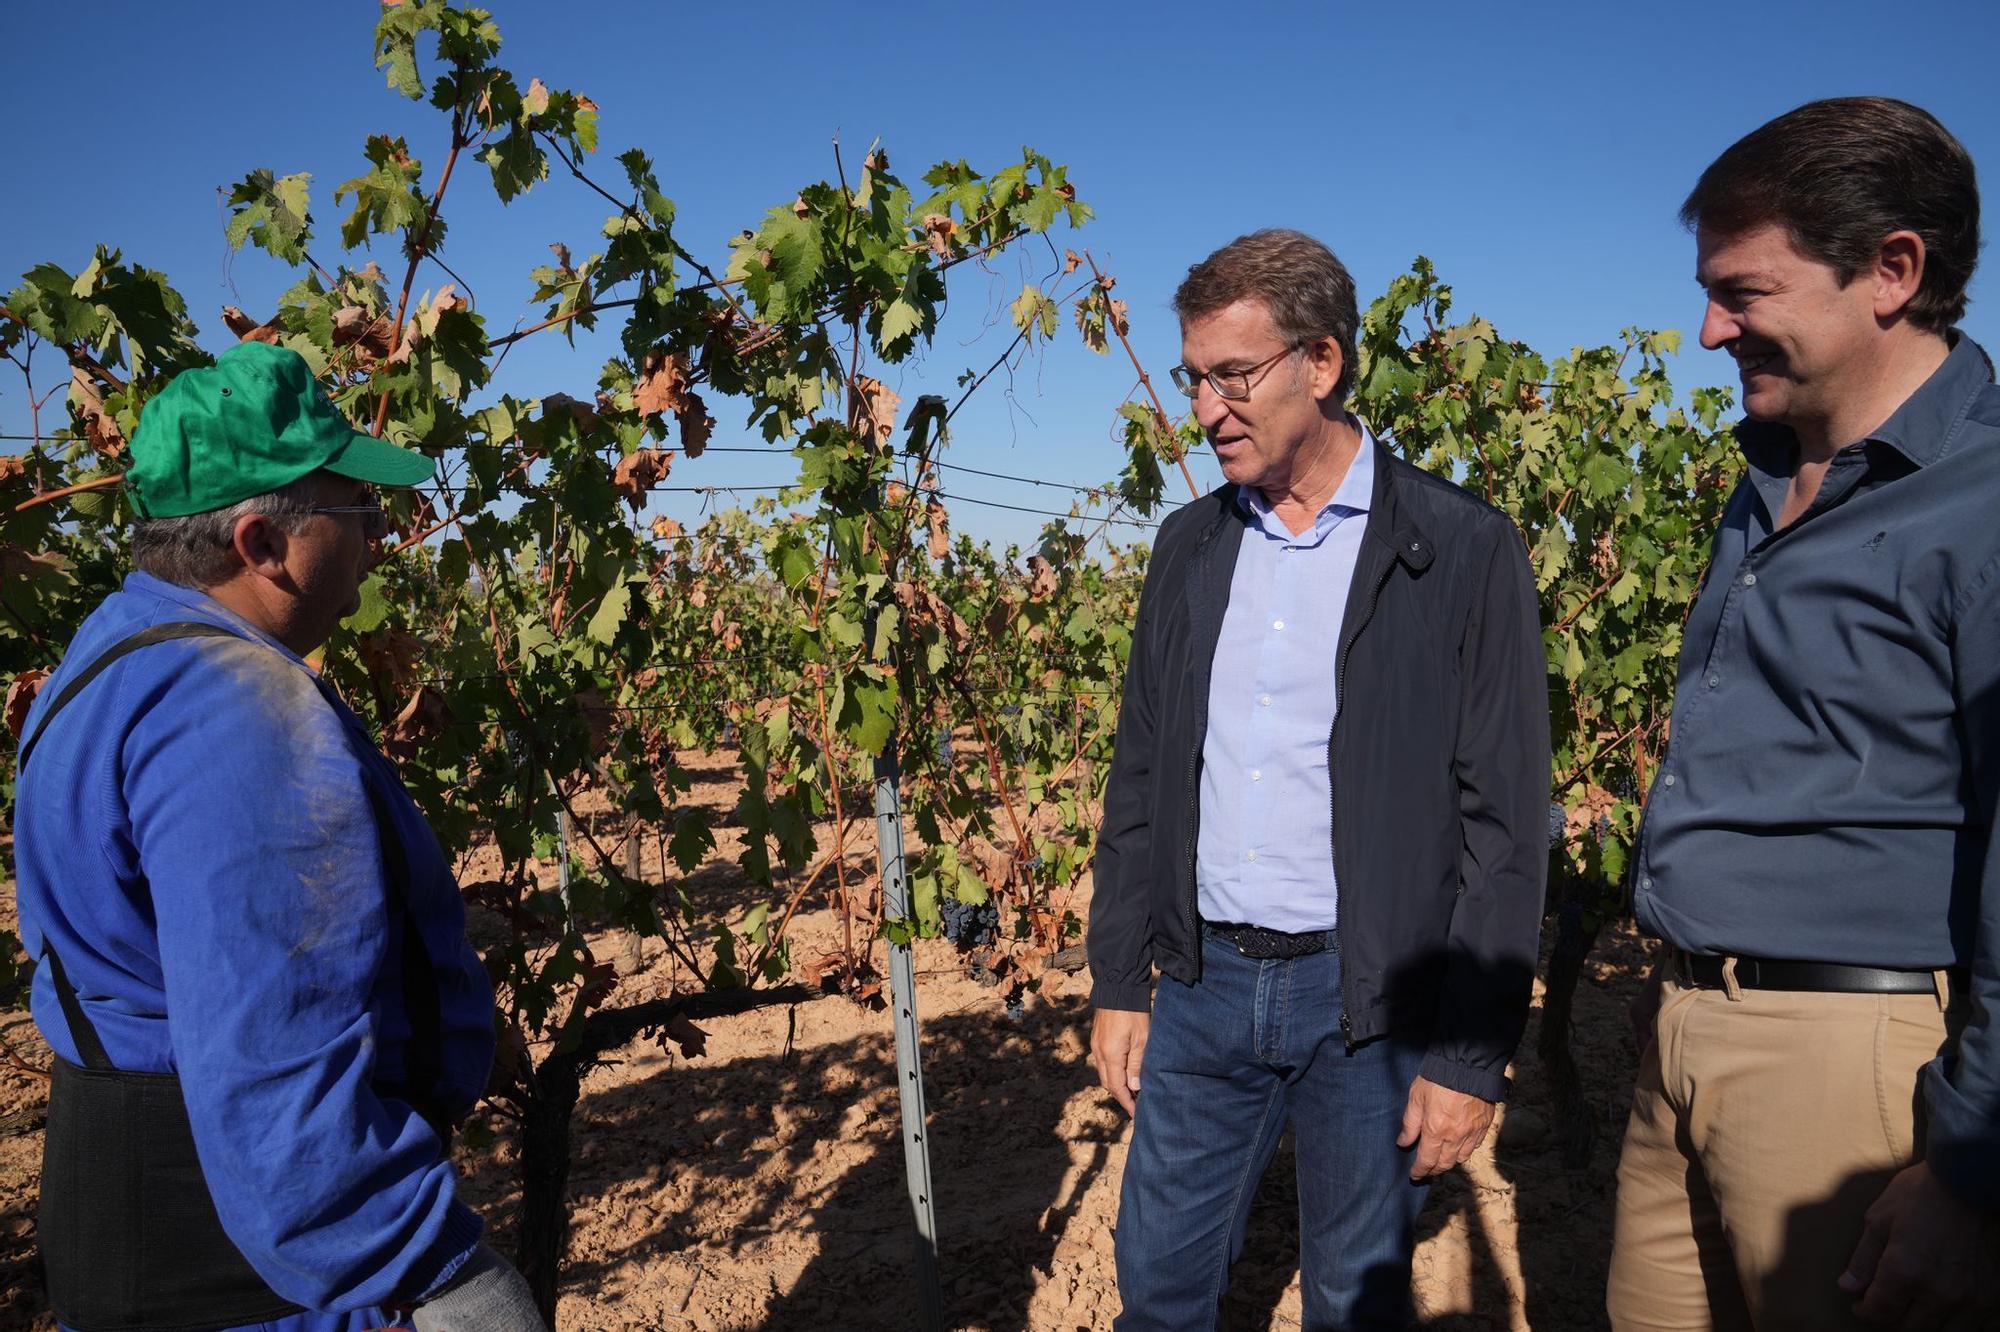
(1255, 943)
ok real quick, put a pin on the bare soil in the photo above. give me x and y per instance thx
(761, 1185)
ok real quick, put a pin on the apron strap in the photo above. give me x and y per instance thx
(159, 633)
(82, 1031)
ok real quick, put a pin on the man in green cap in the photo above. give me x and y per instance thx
(254, 975)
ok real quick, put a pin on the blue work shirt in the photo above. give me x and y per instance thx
(195, 835)
(1264, 852)
(1829, 791)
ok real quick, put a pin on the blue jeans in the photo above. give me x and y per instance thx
(1228, 1063)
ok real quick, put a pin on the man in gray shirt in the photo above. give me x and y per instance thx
(1815, 1135)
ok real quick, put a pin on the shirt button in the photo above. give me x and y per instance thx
(1277, 624)
(1646, 882)
(1749, 580)
(1265, 701)
(1249, 855)
(1667, 780)
(1714, 681)
(1256, 774)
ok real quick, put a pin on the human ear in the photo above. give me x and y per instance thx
(1899, 272)
(1325, 362)
(260, 544)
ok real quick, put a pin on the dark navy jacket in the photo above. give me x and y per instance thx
(1440, 766)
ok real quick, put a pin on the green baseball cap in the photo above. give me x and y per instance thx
(254, 421)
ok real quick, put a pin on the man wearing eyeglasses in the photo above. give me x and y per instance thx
(253, 967)
(1326, 820)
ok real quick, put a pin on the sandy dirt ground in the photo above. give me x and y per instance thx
(761, 1185)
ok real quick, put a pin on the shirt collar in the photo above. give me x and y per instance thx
(1354, 494)
(1918, 429)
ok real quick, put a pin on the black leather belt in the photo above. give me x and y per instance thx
(1704, 970)
(1258, 942)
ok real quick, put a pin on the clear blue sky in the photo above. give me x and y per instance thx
(1536, 152)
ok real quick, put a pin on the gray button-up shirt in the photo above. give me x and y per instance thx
(1830, 786)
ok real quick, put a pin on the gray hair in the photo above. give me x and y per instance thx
(193, 551)
(1307, 290)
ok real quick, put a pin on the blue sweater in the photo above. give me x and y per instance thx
(195, 836)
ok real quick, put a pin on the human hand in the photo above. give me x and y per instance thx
(1117, 1044)
(1925, 1258)
(1447, 1127)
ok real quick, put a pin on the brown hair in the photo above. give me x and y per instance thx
(1307, 290)
(1840, 175)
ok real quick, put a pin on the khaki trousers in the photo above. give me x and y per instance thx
(1764, 1124)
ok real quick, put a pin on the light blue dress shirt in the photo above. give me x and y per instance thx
(1264, 854)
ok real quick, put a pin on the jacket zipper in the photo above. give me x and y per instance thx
(1333, 794)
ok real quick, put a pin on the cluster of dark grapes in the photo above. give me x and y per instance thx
(944, 746)
(968, 925)
(1557, 824)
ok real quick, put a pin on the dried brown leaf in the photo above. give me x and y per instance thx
(940, 532)
(20, 695)
(662, 383)
(247, 329)
(638, 472)
(665, 528)
(599, 980)
(582, 413)
(349, 323)
(874, 408)
(696, 426)
(87, 402)
(536, 99)
(692, 1040)
(425, 717)
(1042, 579)
(941, 233)
(391, 655)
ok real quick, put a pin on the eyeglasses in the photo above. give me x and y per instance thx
(374, 518)
(1234, 385)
